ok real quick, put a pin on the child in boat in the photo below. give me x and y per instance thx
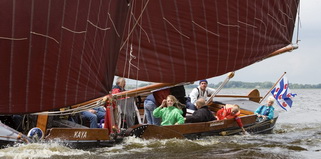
(230, 112)
(202, 114)
(266, 112)
(169, 112)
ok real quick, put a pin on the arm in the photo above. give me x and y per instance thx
(210, 91)
(258, 110)
(240, 124)
(193, 95)
(179, 118)
(115, 90)
(158, 112)
(220, 114)
(194, 118)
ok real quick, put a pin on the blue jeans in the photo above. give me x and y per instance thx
(190, 105)
(149, 107)
(94, 118)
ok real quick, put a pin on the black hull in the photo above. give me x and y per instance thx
(265, 127)
(4, 144)
(91, 144)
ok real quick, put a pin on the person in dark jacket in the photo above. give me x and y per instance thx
(202, 114)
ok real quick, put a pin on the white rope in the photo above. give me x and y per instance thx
(7, 38)
(176, 28)
(73, 110)
(205, 29)
(46, 36)
(298, 25)
(134, 26)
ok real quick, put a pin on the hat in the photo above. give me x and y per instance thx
(204, 80)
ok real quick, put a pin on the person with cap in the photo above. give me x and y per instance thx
(202, 91)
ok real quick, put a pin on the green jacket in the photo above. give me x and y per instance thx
(170, 115)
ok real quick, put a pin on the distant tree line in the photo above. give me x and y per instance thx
(239, 84)
(261, 85)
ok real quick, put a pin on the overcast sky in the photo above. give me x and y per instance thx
(302, 65)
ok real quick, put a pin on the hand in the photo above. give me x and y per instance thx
(92, 111)
(243, 131)
(164, 103)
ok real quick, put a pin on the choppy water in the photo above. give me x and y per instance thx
(297, 135)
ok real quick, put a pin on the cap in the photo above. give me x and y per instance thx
(204, 80)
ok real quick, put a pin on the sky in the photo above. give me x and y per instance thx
(301, 65)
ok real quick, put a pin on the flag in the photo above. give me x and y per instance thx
(282, 94)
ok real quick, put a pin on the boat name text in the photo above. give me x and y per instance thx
(80, 134)
(216, 123)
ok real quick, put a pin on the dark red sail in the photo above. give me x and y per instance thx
(57, 53)
(186, 40)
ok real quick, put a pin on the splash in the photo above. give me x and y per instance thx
(40, 150)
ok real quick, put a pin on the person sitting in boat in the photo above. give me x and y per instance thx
(169, 112)
(202, 114)
(229, 112)
(202, 91)
(120, 85)
(94, 115)
(266, 112)
(149, 107)
(177, 91)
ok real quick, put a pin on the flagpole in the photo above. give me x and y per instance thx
(272, 87)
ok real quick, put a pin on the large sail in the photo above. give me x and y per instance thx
(56, 53)
(185, 40)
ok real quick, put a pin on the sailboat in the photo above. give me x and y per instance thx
(64, 54)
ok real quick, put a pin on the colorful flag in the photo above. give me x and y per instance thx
(282, 94)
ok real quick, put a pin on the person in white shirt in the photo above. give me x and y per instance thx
(202, 91)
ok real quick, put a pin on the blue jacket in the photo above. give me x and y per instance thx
(265, 110)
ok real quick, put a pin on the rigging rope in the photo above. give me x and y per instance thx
(298, 25)
(74, 110)
(136, 22)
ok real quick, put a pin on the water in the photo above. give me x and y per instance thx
(297, 135)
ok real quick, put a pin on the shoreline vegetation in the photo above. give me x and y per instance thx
(239, 84)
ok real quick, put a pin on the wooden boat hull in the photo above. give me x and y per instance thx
(211, 128)
(197, 130)
(83, 137)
